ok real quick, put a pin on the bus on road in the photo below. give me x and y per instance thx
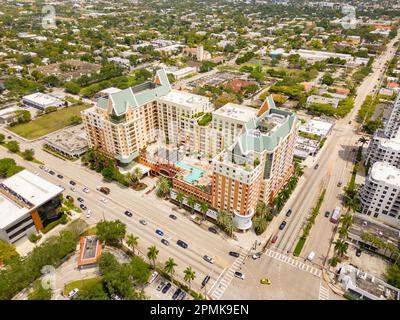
(335, 215)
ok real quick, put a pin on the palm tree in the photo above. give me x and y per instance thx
(298, 170)
(179, 197)
(169, 266)
(204, 209)
(189, 275)
(363, 141)
(260, 224)
(223, 218)
(343, 232)
(138, 174)
(341, 247)
(152, 254)
(279, 202)
(132, 242)
(261, 208)
(131, 178)
(191, 202)
(347, 220)
(163, 187)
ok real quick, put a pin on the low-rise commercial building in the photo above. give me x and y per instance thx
(42, 101)
(26, 203)
(314, 99)
(69, 142)
(364, 286)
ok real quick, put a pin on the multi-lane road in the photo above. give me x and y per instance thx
(156, 213)
(291, 278)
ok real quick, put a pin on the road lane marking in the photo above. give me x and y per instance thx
(323, 293)
(294, 263)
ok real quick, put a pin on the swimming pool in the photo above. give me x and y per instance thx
(195, 173)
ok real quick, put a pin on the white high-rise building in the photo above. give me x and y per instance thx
(392, 128)
(380, 196)
(384, 149)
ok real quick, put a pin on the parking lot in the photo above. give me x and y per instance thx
(155, 290)
(215, 79)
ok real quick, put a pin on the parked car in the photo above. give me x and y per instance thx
(69, 198)
(41, 167)
(86, 190)
(208, 259)
(239, 275)
(153, 277)
(182, 296)
(282, 225)
(288, 213)
(143, 222)
(72, 183)
(182, 244)
(339, 184)
(165, 241)
(173, 217)
(166, 288)
(161, 286)
(316, 166)
(160, 232)
(176, 293)
(205, 281)
(358, 252)
(72, 189)
(234, 254)
(83, 207)
(73, 293)
(52, 172)
(128, 213)
(327, 214)
(274, 239)
(213, 230)
(80, 199)
(60, 176)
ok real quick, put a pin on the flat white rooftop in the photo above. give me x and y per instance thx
(110, 90)
(236, 112)
(10, 212)
(386, 173)
(42, 99)
(186, 99)
(393, 143)
(318, 127)
(32, 188)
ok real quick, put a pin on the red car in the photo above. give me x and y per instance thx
(274, 239)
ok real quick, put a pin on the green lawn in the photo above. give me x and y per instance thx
(79, 284)
(48, 123)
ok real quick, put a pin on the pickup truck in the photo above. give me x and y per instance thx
(104, 190)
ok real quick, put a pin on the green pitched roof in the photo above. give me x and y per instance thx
(137, 96)
(249, 142)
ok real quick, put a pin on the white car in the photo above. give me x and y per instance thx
(104, 200)
(153, 276)
(72, 189)
(88, 213)
(73, 293)
(86, 190)
(239, 275)
(208, 259)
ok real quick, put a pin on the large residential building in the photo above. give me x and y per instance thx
(125, 121)
(392, 129)
(380, 196)
(249, 151)
(384, 149)
(26, 202)
(257, 165)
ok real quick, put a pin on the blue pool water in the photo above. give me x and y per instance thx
(194, 175)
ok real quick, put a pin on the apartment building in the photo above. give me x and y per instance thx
(125, 121)
(384, 149)
(380, 195)
(228, 123)
(257, 165)
(26, 203)
(392, 129)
